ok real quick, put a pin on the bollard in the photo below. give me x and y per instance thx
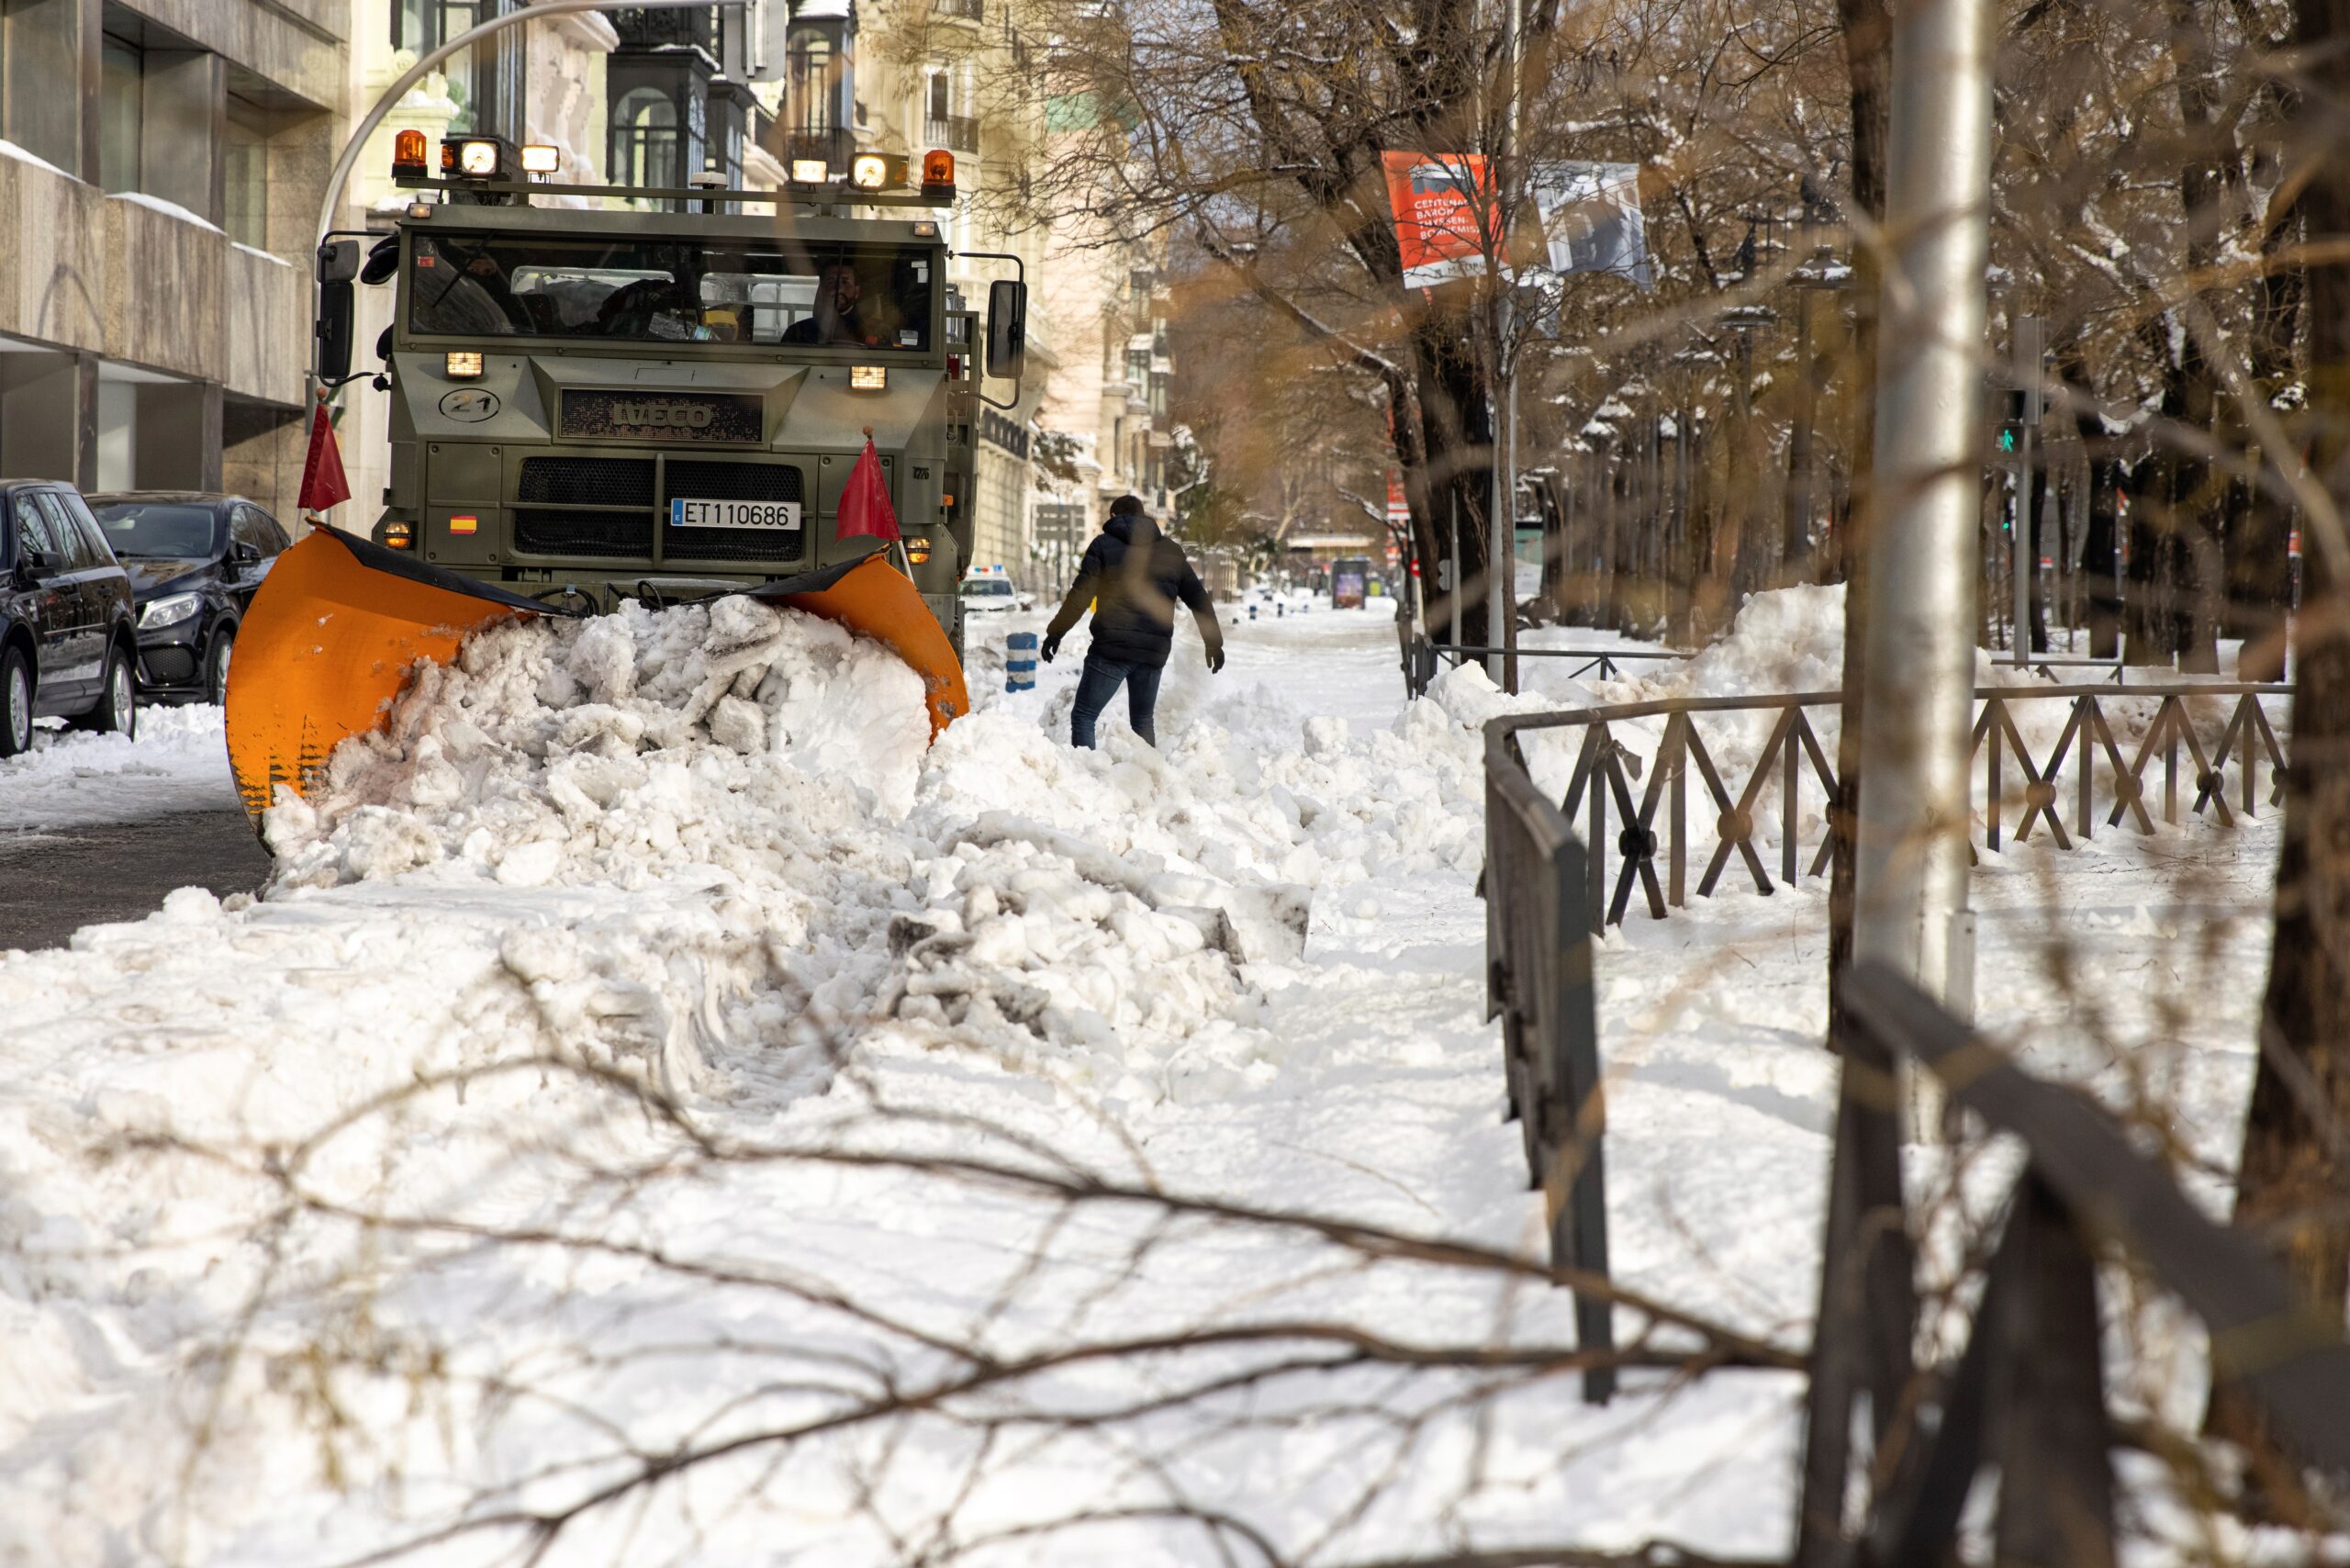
(1020, 661)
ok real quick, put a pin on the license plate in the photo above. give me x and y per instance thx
(774, 517)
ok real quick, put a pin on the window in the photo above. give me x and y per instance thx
(80, 549)
(244, 185)
(34, 531)
(942, 101)
(421, 25)
(644, 139)
(166, 530)
(122, 69)
(248, 526)
(811, 82)
(653, 290)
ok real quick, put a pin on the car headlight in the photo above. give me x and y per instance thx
(169, 610)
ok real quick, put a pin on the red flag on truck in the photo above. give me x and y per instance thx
(865, 509)
(322, 482)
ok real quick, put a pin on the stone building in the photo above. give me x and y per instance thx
(160, 166)
(1106, 400)
(952, 74)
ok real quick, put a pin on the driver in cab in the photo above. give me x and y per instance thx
(838, 291)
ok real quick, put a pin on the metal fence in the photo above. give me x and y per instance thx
(1652, 846)
(2028, 1394)
(1537, 983)
(1421, 658)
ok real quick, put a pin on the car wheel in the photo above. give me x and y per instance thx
(15, 703)
(216, 666)
(117, 712)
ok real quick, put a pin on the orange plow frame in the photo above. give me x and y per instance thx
(339, 624)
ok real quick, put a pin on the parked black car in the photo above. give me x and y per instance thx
(194, 561)
(66, 640)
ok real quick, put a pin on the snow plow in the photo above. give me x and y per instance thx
(672, 402)
(340, 624)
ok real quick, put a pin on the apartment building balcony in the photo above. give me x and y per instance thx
(957, 133)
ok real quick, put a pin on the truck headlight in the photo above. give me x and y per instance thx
(868, 171)
(169, 610)
(869, 378)
(811, 172)
(918, 551)
(462, 365)
(399, 536)
(479, 159)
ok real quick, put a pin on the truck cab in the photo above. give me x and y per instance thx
(598, 404)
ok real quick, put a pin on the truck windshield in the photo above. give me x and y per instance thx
(672, 291)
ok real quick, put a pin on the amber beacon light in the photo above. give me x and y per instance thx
(938, 173)
(409, 155)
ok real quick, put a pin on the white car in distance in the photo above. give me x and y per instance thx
(993, 596)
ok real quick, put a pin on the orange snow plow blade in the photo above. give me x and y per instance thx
(339, 623)
(330, 640)
(871, 596)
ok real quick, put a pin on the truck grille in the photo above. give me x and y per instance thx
(586, 481)
(551, 532)
(732, 482)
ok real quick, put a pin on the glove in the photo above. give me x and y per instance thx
(1216, 659)
(1051, 646)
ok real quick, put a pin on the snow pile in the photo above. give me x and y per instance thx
(1001, 891)
(71, 777)
(604, 751)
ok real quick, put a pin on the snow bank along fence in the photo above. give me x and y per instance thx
(1421, 657)
(1657, 826)
(2027, 1395)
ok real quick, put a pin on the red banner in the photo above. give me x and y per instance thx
(1435, 197)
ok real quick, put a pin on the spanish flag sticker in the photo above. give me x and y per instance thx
(462, 524)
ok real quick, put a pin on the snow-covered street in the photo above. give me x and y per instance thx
(648, 1051)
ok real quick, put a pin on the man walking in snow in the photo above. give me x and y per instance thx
(1136, 574)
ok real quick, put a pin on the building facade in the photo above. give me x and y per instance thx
(160, 166)
(953, 75)
(1105, 402)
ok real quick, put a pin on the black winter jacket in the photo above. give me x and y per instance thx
(1139, 574)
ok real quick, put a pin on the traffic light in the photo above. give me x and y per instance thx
(2011, 418)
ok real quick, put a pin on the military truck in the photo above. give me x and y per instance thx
(663, 403)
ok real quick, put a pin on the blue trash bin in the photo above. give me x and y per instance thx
(1020, 661)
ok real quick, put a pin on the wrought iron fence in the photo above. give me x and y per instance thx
(1421, 657)
(2028, 1394)
(1656, 827)
(1537, 983)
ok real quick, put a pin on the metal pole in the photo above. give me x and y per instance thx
(1457, 583)
(2024, 558)
(1917, 714)
(1501, 592)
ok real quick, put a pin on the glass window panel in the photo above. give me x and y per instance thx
(122, 79)
(871, 297)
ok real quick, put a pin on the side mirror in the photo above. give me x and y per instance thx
(1007, 328)
(337, 264)
(37, 564)
(241, 550)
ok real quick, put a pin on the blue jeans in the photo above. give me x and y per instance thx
(1100, 682)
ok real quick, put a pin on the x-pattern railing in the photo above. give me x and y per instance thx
(1656, 823)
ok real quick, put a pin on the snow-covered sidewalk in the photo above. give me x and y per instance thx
(648, 1048)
